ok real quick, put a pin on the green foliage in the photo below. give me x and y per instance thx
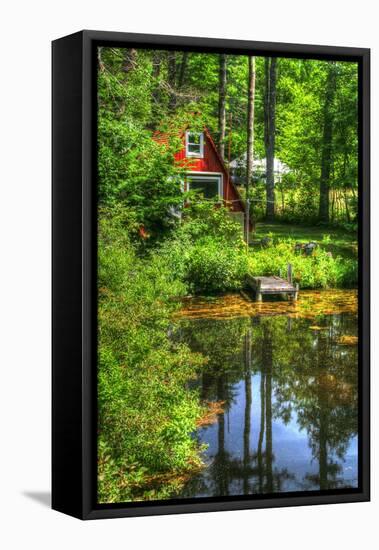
(207, 250)
(320, 270)
(146, 411)
(207, 253)
(133, 167)
(300, 125)
(212, 267)
(210, 219)
(138, 95)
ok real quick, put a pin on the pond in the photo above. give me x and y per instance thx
(281, 386)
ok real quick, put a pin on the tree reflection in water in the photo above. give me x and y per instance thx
(289, 389)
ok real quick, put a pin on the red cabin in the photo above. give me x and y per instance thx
(206, 170)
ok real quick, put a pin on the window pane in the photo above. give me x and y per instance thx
(207, 187)
(194, 148)
(194, 138)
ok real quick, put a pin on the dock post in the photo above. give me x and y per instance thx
(297, 292)
(289, 273)
(258, 293)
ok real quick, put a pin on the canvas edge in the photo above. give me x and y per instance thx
(85, 507)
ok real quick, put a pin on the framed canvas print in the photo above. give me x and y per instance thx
(210, 274)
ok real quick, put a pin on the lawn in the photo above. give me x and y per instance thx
(342, 243)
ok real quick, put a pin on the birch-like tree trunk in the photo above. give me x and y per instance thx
(171, 73)
(130, 60)
(182, 70)
(327, 144)
(222, 105)
(156, 92)
(250, 124)
(270, 130)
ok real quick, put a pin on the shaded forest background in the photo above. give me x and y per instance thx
(303, 112)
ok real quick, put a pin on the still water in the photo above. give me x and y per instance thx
(282, 381)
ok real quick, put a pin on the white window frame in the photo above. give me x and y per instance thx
(199, 155)
(206, 176)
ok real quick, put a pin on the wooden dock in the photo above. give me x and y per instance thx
(272, 285)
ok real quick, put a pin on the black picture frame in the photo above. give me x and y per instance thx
(74, 274)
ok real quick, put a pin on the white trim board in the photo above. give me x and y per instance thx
(205, 176)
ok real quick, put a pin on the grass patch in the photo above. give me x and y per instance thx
(340, 242)
(209, 256)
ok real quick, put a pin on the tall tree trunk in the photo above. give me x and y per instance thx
(130, 60)
(157, 61)
(222, 105)
(100, 63)
(250, 123)
(327, 143)
(333, 203)
(250, 127)
(182, 70)
(270, 129)
(346, 198)
(345, 162)
(171, 74)
(282, 195)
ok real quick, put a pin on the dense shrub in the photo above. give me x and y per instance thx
(204, 219)
(213, 267)
(207, 250)
(134, 169)
(207, 253)
(146, 411)
(321, 270)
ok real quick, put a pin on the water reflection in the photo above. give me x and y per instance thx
(289, 392)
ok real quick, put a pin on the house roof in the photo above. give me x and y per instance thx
(164, 137)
